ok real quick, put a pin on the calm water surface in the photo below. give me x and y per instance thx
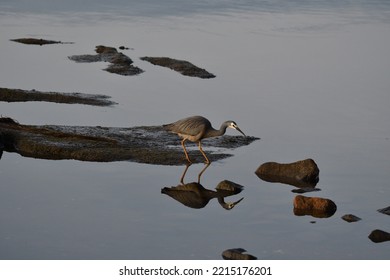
(310, 78)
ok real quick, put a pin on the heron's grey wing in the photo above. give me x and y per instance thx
(191, 126)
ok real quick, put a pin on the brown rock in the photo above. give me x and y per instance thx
(237, 254)
(385, 210)
(378, 236)
(184, 67)
(350, 218)
(36, 41)
(314, 206)
(303, 173)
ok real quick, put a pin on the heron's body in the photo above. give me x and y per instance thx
(197, 128)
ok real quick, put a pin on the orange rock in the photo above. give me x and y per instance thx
(314, 206)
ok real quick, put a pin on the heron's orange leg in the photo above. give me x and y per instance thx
(184, 173)
(200, 149)
(203, 170)
(185, 151)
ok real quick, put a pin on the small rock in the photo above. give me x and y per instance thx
(305, 190)
(183, 67)
(125, 48)
(385, 210)
(378, 236)
(315, 206)
(303, 173)
(35, 41)
(350, 218)
(105, 49)
(119, 63)
(227, 185)
(237, 254)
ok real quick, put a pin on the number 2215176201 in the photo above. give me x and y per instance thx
(242, 270)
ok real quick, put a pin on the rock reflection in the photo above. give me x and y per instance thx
(194, 195)
(237, 254)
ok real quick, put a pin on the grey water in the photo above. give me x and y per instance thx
(310, 78)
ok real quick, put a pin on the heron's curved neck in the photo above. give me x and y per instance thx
(214, 132)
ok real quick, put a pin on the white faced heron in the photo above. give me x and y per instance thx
(197, 128)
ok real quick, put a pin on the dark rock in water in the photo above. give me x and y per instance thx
(146, 144)
(385, 210)
(19, 95)
(302, 174)
(350, 218)
(184, 67)
(305, 190)
(378, 236)
(40, 42)
(237, 254)
(105, 50)
(119, 63)
(314, 206)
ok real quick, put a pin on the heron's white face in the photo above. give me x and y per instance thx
(233, 125)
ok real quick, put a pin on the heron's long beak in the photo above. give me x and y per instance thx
(240, 131)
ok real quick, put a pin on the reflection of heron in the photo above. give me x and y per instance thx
(199, 175)
(197, 128)
(194, 195)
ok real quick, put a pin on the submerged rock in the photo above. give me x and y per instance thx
(184, 67)
(119, 63)
(314, 206)
(20, 95)
(237, 254)
(350, 218)
(40, 42)
(302, 174)
(147, 144)
(378, 236)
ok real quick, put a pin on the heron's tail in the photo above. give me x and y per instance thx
(167, 126)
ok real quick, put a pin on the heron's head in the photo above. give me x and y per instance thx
(233, 125)
(230, 205)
